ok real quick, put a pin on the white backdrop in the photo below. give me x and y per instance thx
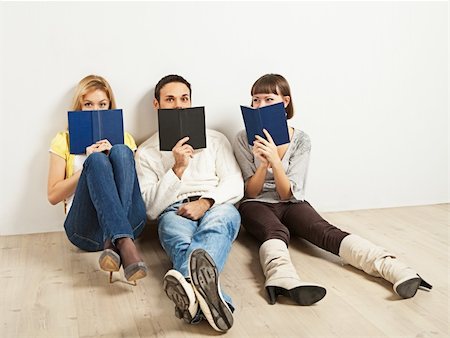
(369, 83)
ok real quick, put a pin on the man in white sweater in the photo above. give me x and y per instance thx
(191, 193)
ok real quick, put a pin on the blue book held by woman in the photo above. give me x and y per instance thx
(272, 118)
(89, 126)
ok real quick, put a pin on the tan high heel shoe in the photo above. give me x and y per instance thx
(109, 260)
(135, 271)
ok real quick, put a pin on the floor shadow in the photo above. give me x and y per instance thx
(251, 248)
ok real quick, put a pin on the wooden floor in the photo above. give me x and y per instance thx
(48, 288)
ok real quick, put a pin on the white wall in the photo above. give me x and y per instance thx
(369, 84)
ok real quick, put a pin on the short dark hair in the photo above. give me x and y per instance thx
(169, 79)
(275, 84)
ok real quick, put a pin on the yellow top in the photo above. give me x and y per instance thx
(60, 147)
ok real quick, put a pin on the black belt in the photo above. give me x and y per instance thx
(191, 199)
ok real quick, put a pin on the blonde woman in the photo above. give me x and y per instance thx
(101, 194)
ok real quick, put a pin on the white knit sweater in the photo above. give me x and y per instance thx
(212, 173)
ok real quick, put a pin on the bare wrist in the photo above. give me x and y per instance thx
(178, 170)
(276, 165)
(263, 166)
(208, 202)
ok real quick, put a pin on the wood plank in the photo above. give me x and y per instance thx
(49, 288)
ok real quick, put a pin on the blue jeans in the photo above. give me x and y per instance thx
(214, 233)
(107, 202)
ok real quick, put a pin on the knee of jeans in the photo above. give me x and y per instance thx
(232, 213)
(120, 152)
(96, 160)
(232, 218)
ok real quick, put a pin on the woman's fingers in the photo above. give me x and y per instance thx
(269, 137)
(260, 139)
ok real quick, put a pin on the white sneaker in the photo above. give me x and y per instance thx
(182, 294)
(205, 282)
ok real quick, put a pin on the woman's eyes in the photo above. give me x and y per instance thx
(267, 99)
(90, 104)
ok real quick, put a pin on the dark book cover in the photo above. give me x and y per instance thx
(174, 124)
(272, 118)
(89, 126)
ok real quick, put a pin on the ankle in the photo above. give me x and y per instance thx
(128, 251)
(123, 242)
(108, 245)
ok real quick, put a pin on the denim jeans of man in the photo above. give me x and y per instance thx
(214, 233)
(107, 202)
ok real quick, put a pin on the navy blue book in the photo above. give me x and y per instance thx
(174, 124)
(89, 126)
(272, 118)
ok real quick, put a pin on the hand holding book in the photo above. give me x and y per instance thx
(182, 153)
(266, 150)
(98, 147)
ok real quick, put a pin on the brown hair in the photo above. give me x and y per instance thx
(275, 84)
(88, 84)
(169, 79)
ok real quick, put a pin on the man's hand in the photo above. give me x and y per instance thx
(182, 153)
(196, 209)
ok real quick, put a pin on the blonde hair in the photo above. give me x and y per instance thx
(88, 84)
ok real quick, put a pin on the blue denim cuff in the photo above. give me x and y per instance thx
(119, 236)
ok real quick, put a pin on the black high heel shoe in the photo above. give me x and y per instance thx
(409, 287)
(302, 295)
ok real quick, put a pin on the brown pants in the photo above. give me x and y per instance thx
(281, 220)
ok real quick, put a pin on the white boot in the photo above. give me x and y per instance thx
(281, 277)
(378, 262)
